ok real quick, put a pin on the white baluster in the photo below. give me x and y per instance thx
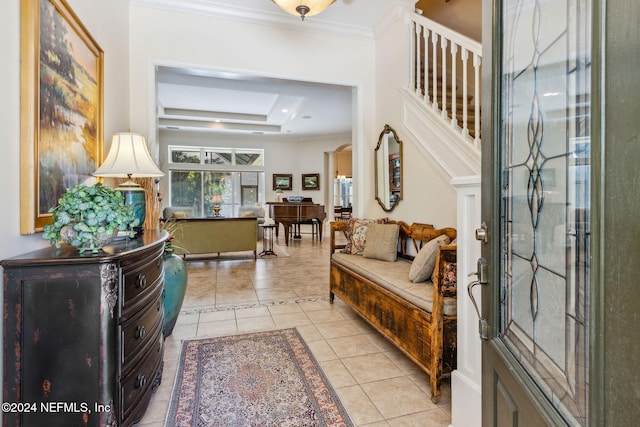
(477, 61)
(434, 62)
(425, 42)
(465, 92)
(413, 52)
(454, 83)
(443, 46)
(418, 55)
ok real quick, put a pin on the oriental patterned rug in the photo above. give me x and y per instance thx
(258, 379)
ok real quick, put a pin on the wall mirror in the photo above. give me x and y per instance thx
(388, 168)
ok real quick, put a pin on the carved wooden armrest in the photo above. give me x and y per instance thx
(336, 227)
(446, 271)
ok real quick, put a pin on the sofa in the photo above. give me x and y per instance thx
(178, 212)
(204, 236)
(408, 298)
(253, 211)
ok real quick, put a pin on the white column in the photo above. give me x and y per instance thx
(466, 380)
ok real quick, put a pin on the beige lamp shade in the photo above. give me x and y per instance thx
(303, 8)
(217, 198)
(128, 157)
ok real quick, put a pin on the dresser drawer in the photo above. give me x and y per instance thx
(138, 333)
(139, 279)
(136, 384)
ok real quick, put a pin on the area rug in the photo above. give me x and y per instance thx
(258, 379)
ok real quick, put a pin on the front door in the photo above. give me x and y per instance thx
(536, 204)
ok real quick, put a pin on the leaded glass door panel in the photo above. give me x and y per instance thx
(535, 368)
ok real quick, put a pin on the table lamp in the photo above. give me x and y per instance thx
(216, 200)
(129, 157)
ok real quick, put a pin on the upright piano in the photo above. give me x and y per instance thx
(293, 213)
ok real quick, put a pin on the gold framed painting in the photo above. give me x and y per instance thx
(61, 107)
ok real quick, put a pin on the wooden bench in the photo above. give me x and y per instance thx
(418, 318)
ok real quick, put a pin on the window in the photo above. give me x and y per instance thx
(217, 156)
(196, 174)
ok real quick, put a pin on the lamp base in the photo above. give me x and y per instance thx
(135, 196)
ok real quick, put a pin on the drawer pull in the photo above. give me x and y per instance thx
(141, 381)
(140, 331)
(141, 281)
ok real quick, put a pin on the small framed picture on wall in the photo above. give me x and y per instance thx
(311, 181)
(282, 181)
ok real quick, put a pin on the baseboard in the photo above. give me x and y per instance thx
(466, 401)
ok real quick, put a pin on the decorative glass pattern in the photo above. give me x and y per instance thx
(545, 119)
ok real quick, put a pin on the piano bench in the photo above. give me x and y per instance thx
(315, 228)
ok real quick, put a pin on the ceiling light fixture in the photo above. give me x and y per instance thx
(303, 7)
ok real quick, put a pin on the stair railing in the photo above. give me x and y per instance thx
(440, 67)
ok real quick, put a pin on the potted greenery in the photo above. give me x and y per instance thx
(89, 217)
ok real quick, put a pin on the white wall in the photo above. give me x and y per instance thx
(427, 196)
(107, 23)
(178, 39)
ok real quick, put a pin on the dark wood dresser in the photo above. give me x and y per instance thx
(83, 343)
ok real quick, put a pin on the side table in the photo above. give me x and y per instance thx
(267, 239)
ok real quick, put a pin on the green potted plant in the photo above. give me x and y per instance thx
(89, 217)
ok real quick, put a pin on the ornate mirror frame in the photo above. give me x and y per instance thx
(388, 169)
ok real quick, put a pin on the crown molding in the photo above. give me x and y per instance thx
(252, 16)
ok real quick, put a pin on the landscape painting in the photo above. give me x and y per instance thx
(282, 181)
(311, 181)
(68, 139)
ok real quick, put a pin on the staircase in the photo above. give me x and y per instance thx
(462, 102)
(442, 103)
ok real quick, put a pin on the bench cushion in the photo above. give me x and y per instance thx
(394, 276)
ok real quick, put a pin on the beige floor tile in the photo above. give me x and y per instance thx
(227, 299)
(276, 294)
(309, 333)
(291, 320)
(172, 349)
(361, 410)
(216, 329)
(252, 312)
(372, 367)
(252, 324)
(351, 346)
(433, 418)
(325, 316)
(379, 424)
(188, 319)
(338, 375)
(395, 397)
(284, 309)
(181, 332)
(337, 329)
(217, 316)
(380, 341)
(309, 306)
(321, 350)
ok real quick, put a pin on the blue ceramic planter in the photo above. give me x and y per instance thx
(175, 286)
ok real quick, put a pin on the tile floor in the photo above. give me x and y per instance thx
(376, 383)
